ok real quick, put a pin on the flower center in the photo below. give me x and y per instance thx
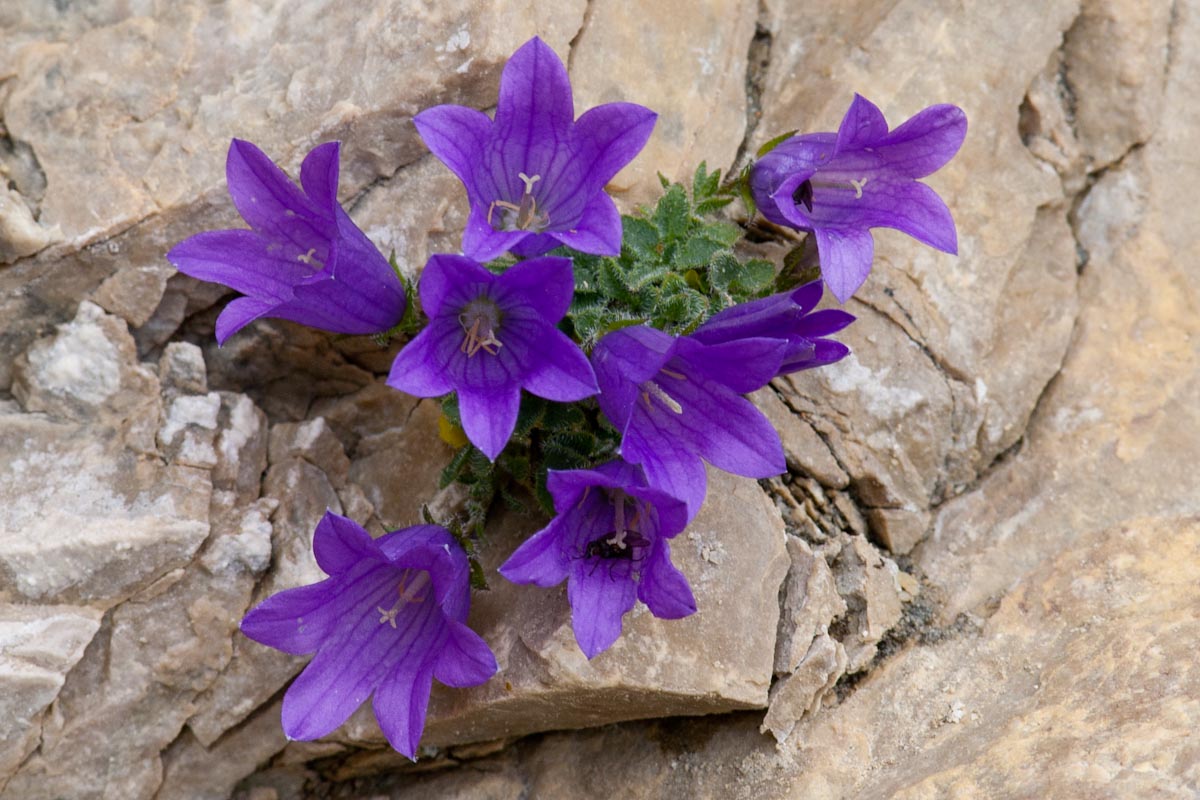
(413, 587)
(519, 217)
(804, 192)
(480, 320)
(624, 538)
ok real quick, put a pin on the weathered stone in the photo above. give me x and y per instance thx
(93, 522)
(701, 107)
(1129, 73)
(810, 601)
(803, 448)
(192, 771)
(898, 529)
(181, 368)
(869, 583)
(38, 647)
(189, 430)
(134, 293)
(20, 234)
(393, 468)
(87, 370)
(313, 441)
(801, 692)
(241, 447)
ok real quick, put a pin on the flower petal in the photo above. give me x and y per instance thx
(623, 359)
(598, 230)
(400, 704)
(668, 463)
(534, 113)
(339, 543)
(846, 255)
(742, 365)
(663, 588)
(863, 125)
(458, 136)
(319, 176)
(561, 372)
(447, 276)
(544, 284)
(354, 657)
(608, 137)
(465, 659)
(489, 417)
(926, 142)
(240, 259)
(295, 620)
(540, 559)
(268, 200)
(240, 313)
(598, 602)
(418, 369)
(482, 242)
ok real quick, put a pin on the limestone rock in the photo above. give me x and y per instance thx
(810, 601)
(38, 647)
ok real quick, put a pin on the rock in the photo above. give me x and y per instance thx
(313, 441)
(810, 601)
(801, 692)
(192, 771)
(701, 107)
(241, 446)
(803, 448)
(869, 584)
(20, 234)
(38, 647)
(134, 293)
(898, 529)
(86, 370)
(1130, 75)
(94, 522)
(181, 369)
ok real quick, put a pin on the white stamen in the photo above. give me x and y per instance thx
(858, 187)
(664, 398)
(528, 181)
(308, 258)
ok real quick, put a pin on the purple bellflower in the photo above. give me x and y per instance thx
(678, 403)
(840, 185)
(388, 620)
(488, 337)
(535, 176)
(789, 317)
(609, 541)
(303, 258)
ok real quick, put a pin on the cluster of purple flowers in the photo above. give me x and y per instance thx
(391, 616)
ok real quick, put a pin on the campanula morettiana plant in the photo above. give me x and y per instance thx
(589, 386)
(535, 175)
(840, 185)
(609, 542)
(388, 620)
(303, 258)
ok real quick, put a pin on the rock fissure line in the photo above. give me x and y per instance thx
(758, 61)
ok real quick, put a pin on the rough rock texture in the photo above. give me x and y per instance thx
(984, 580)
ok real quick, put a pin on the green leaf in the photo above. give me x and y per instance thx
(640, 236)
(673, 213)
(773, 143)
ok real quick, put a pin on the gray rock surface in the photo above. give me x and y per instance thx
(977, 580)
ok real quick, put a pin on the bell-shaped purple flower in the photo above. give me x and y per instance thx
(303, 258)
(678, 403)
(609, 541)
(535, 176)
(488, 337)
(839, 186)
(788, 317)
(388, 620)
